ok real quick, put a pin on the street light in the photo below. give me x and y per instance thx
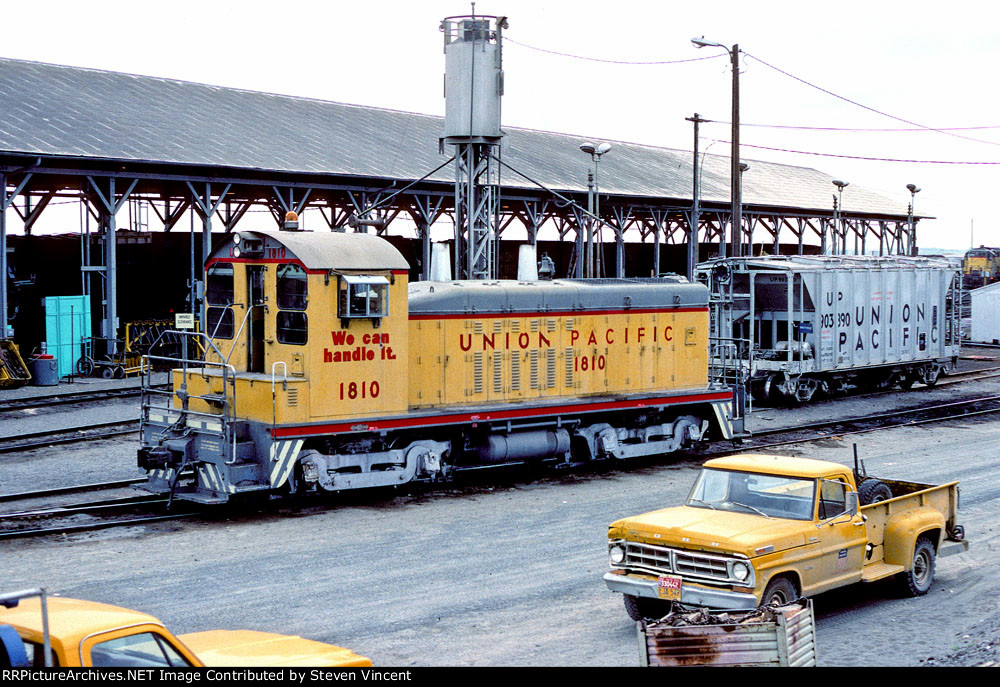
(914, 190)
(838, 206)
(737, 200)
(595, 152)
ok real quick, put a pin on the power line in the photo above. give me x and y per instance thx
(870, 109)
(861, 129)
(597, 59)
(861, 157)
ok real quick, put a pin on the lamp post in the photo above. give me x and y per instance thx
(595, 152)
(914, 190)
(737, 202)
(838, 211)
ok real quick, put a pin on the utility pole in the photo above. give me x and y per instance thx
(692, 253)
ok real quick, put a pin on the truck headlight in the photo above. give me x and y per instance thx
(616, 554)
(741, 571)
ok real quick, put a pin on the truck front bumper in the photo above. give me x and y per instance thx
(693, 594)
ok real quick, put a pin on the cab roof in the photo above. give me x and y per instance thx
(332, 250)
(777, 465)
(72, 619)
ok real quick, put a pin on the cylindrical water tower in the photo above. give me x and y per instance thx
(473, 88)
(473, 79)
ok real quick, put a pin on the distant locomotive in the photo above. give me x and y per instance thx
(798, 325)
(980, 267)
(325, 370)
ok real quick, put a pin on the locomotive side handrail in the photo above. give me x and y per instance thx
(227, 401)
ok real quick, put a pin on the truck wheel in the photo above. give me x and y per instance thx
(641, 608)
(779, 592)
(873, 491)
(918, 580)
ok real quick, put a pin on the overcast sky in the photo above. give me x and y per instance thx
(919, 64)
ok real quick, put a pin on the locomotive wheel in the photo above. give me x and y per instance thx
(906, 382)
(119, 372)
(108, 372)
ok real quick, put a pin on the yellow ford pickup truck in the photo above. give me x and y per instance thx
(760, 529)
(88, 634)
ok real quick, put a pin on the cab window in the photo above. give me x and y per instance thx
(363, 296)
(293, 327)
(139, 650)
(219, 288)
(833, 499)
(292, 287)
(220, 322)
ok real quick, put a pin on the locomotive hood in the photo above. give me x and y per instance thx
(557, 295)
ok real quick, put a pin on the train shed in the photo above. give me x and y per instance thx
(107, 140)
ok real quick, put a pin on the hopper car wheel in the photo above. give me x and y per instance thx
(85, 366)
(930, 378)
(779, 592)
(641, 608)
(873, 491)
(108, 372)
(918, 579)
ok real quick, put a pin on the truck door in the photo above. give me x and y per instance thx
(842, 536)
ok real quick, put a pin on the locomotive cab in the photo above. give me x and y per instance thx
(300, 328)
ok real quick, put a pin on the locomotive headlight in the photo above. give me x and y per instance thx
(616, 554)
(236, 238)
(236, 252)
(741, 571)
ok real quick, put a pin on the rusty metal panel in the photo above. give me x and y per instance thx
(785, 636)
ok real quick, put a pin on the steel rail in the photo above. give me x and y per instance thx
(51, 437)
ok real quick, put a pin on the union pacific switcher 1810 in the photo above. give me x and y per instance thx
(326, 370)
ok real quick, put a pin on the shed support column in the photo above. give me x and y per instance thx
(206, 208)
(5, 202)
(110, 205)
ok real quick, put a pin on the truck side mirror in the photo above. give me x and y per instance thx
(852, 503)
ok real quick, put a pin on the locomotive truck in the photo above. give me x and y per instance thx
(324, 369)
(763, 529)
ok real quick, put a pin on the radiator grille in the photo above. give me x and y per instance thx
(664, 560)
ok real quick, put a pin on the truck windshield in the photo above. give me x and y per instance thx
(770, 496)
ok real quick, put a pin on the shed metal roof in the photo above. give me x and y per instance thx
(61, 111)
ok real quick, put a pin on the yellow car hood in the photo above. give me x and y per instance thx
(713, 531)
(236, 648)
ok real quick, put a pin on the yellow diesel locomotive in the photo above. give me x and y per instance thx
(980, 267)
(324, 369)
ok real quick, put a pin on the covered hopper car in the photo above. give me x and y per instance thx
(325, 370)
(798, 325)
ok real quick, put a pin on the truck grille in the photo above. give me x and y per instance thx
(663, 560)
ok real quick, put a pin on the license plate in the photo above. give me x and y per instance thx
(669, 588)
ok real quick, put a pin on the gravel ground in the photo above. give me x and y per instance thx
(507, 571)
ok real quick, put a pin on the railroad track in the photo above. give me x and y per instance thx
(49, 400)
(142, 510)
(68, 435)
(97, 514)
(905, 417)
